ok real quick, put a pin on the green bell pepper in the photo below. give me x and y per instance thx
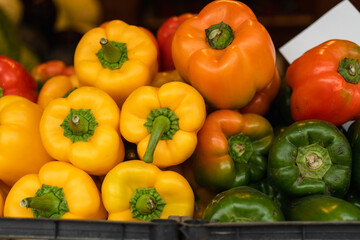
(242, 204)
(353, 135)
(310, 157)
(321, 208)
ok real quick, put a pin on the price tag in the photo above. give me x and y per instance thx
(340, 22)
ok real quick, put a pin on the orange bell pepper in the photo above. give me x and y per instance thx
(57, 87)
(262, 100)
(225, 53)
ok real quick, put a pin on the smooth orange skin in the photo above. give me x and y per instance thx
(81, 193)
(227, 78)
(318, 90)
(56, 87)
(262, 100)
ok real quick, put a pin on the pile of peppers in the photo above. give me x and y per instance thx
(193, 121)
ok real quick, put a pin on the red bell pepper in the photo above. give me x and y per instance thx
(164, 36)
(16, 80)
(44, 71)
(325, 82)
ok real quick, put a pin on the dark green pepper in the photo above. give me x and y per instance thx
(310, 157)
(353, 135)
(321, 208)
(242, 204)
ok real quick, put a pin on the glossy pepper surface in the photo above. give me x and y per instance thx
(163, 122)
(321, 208)
(83, 129)
(164, 37)
(116, 58)
(139, 191)
(16, 80)
(325, 82)
(242, 204)
(21, 148)
(57, 87)
(225, 53)
(232, 149)
(261, 102)
(310, 157)
(59, 190)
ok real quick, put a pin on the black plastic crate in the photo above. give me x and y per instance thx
(82, 229)
(201, 229)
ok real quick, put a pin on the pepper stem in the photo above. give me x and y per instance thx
(112, 54)
(1, 92)
(240, 148)
(79, 125)
(48, 202)
(313, 161)
(162, 124)
(349, 69)
(219, 36)
(146, 204)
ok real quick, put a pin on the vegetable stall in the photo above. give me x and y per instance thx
(224, 146)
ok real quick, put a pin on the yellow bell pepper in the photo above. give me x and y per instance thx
(83, 129)
(21, 148)
(59, 190)
(139, 191)
(163, 122)
(125, 59)
(57, 87)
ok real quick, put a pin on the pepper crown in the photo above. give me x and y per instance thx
(162, 124)
(219, 36)
(112, 54)
(146, 204)
(349, 69)
(79, 125)
(48, 202)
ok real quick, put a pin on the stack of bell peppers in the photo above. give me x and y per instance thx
(196, 105)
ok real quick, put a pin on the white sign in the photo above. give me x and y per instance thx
(340, 22)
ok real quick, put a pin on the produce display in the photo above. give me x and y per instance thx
(216, 132)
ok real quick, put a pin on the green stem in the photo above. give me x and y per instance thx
(162, 124)
(313, 161)
(112, 54)
(48, 202)
(349, 69)
(79, 125)
(1, 92)
(219, 36)
(240, 148)
(146, 204)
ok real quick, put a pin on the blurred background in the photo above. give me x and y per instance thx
(41, 30)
